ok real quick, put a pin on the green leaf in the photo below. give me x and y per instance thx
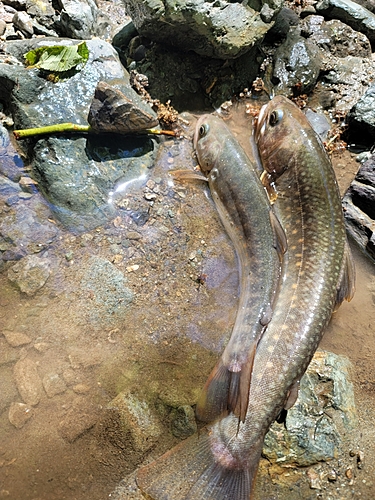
(58, 58)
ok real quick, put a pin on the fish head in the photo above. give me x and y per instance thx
(280, 131)
(208, 140)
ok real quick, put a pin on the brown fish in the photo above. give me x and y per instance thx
(259, 240)
(317, 275)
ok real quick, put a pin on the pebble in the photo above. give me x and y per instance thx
(19, 414)
(133, 235)
(81, 389)
(16, 339)
(28, 381)
(130, 269)
(53, 384)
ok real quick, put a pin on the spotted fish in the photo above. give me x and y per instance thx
(221, 463)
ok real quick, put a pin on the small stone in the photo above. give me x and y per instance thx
(30, 274)
(53, 385)
(150, 196)
(332, 476)
(81, 388)
(133, 235)
(19, 414)
(150, 184)
(69, 256)
(315, 483)
(42, 346)
(16, 339)
(130, 269)
(183, 422)
(28, 381)
(349, 473)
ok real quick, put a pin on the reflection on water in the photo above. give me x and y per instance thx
(124, 310)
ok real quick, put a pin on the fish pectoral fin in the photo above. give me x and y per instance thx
(292, 396)
(346, 286)
(226, 391)
(187, 175)
(281, 244)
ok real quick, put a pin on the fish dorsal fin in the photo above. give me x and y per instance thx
(226, 391)
(346, 286)
(281, 244)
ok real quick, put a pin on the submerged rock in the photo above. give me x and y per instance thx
(318, 425)
(28, 382)
(75, 173)
(215, 29)
(30, 274)
(321, 426)
(136, 421)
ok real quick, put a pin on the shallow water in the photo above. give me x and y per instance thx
(154, 335)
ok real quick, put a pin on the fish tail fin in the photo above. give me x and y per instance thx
(190, 472)
(226, 391)
(346, 286)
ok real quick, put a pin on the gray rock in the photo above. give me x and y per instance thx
(216, 29)
(136, 420)
(42, 12)
(98, 279)
(361, 119)
(350, 13)
(22, 21)
(317, 427)
(335, 37)
(28, 381)
(26, 229)
(358, 204)
(77, 174)
(78, 18)
(11, 164)
(296, 62)
(30, 274)
(19, 414)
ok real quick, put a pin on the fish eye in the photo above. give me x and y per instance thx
(275, 117)
(203, 130)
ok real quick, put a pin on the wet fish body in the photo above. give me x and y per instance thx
(246, 214)
(317, 275)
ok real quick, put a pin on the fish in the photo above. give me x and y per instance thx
(317, 275)
(246, 214)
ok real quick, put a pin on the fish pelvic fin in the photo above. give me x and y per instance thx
(187, 175)
(281, 244)
(226, 391)
(190, 471)
(346, 286)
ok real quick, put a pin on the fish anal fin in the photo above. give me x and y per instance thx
(346, 286)
(281, 244)
(226, 390)
(213, 401)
